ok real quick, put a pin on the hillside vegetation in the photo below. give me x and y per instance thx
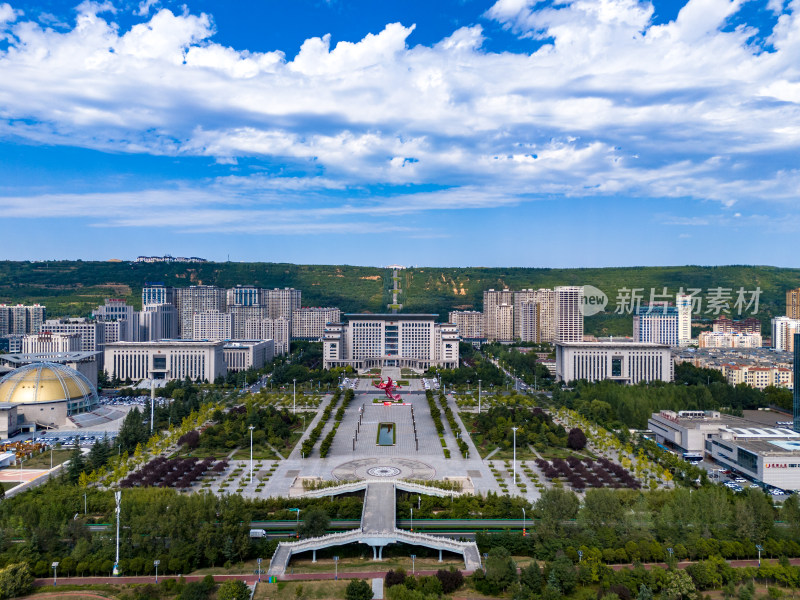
(76, 287)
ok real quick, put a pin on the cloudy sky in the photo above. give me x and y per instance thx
(445, 132)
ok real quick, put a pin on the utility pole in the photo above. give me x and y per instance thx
(118, 498)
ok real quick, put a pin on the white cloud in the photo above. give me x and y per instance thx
(610, 104)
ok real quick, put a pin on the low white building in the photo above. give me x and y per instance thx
(688, 430)
(166, 359)
(625, 362)
(51, 342)
(730, 339)
(770, 456)
(241, 355)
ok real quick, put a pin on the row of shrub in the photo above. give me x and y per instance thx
(308, 444)
(448, 413)
(326, 444)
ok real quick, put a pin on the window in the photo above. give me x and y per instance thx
(160, 362)
(616, 366)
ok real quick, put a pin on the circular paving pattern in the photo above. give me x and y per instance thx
(368, 468)
(383, 472)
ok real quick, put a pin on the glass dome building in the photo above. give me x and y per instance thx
(48, 383)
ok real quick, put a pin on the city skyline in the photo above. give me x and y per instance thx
(483, 133)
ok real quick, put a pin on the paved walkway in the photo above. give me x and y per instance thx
(379, 508)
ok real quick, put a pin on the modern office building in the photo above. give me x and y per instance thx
(656, 325)
(498, 315)
(734, 339)
(413, 341)
(308, 323)
(783, 331)
(793, 303)
(569, 314)
(469, 324)
(200, 360)
(241, 355)
(624, 362)
(212, 325)
(156, 293)
(46, 342)
(279, 330)
(21, 319)
(198, 299)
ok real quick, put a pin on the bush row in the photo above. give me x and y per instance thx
(448, 413)
(325, 446)
(312, 438)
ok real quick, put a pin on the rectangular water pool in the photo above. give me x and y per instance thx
(386, 434)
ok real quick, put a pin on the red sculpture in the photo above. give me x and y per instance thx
(388, 387)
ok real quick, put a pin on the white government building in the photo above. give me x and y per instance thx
(413, 341)
(625, 362)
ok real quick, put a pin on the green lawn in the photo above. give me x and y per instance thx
(313, 590)
(42, 461)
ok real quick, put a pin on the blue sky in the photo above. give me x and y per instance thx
(457, 132)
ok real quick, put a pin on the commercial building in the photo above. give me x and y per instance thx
(732, 339)
(241, 355)
(688, 430)
(625, 362)
(21, 319)
(199, 360)
(309, 323)
(278, 330)
(212, 325)
(770, 456)
(569, 314)
(413, 341)
(498, 315)
(656, 325)
(44, 394)
(469, 324)
(51, 342)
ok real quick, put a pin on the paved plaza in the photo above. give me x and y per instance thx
(368, 460)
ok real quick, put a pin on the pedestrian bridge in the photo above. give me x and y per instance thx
(378, 527)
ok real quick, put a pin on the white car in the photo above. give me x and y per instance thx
(740, 480)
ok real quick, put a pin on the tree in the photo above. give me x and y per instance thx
(531, 577)
(358, 589)
(15, 580)
(233, 590)
(501, 571)
(394, 578)
(315, 523)
(76, 464)
(678, 586)
(563, 571)
(576, 439)
(451, 579)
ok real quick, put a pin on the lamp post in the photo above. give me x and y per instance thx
(155, 564)
(251, 452)
(523, 523)
(259, 569)
(671, 552)
(413, 561)
(294, 396)
(759, 547)
(479, 396)
(297, 510)
(336, 567)
(55, 572)
(84, 503)
(412, 518)
(580, 555)
(514, 462)
(118, 498)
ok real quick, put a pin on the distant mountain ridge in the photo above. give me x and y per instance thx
(74, 288)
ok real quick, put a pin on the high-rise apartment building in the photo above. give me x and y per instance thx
(309, 323)
(469, 324)
(245, 295)
(198, 299)
(498, 315)
(157, 293)
(92, 333)
(793, 304)
(783, 331)
(157, 322)
(21, 319)
(121, 321)
(569, 313)
(212, 325)
(279, 330)
(281, 302)
(527, 315)
(683, 303)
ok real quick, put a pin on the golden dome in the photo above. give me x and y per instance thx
(45, 382)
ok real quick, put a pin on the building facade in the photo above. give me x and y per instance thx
(166, 359)
(241, 355)
(733, 339)
(367, 341)
(156, 293)
(625, 362)
(498, 315)
(21, 319)
(198, 299)
(278, 330)
(212, 325)
(569, 314)
(47, 342)
(656, 325)
(758, 377)
(309, 323)
(683, 303)
(783, 331)
(469, 324)
(793, 303)
(92, 333)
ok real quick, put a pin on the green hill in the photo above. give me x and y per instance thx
(76, 287)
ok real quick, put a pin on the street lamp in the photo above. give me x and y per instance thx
(55, 573)
(514, 462)
(759, 547)
(251, 451)
(671, 552)
(523, 523)
(294, 395)
(297, 510)
(412, 520)
(479, 396)
(155, 564)
(413, 560)
(336, 567)
(259, 569)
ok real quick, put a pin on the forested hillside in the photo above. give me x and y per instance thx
(75, 287)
